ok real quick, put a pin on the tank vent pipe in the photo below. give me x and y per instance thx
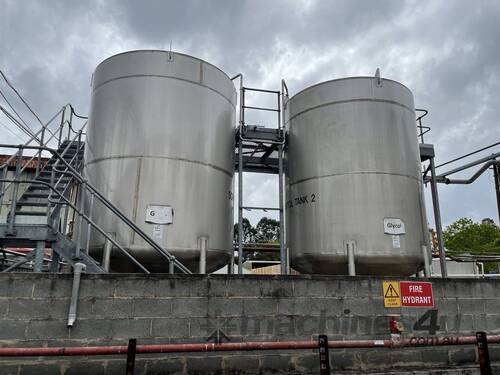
(203, 244)
(78, 269)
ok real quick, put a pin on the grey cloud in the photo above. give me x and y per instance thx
(446, 52)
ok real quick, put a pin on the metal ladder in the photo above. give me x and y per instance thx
(39, 216)
(260, 150)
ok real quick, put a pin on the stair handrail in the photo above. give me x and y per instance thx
(41, 141)
(88, 186)
(91, 222)
(422, 129)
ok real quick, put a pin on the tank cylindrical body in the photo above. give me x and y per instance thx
(160, 147)
(353, 179)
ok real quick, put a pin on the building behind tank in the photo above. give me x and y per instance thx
(354, 182)
(160, 146)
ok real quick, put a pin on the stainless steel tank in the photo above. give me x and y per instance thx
(160, 146)
(353, 179)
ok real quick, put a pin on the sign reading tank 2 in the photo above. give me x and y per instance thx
(407, 294)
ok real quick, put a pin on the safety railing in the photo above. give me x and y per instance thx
(421, 128)
(45, 136)
(64, 168)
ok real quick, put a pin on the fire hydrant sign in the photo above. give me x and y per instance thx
(407, 294)
(416, 294)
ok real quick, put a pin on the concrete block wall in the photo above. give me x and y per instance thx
(182, 309)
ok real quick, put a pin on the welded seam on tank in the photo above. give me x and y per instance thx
(230, 174)
(169, 77)
(352, 101)
(353, 173)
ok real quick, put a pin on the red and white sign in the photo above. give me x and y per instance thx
(416, 294)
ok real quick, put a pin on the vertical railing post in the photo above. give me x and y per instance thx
(88, 223)
(54, 263)
(106, 253)
(324, 357)
(70, 123)
(132, 344)
(240, 205)
(283, 260)
(15, 188)
(49, 198)
(484, 355)
(61, 126)
(80, 219)
(39, 255)
(39, 159)
(437, 219)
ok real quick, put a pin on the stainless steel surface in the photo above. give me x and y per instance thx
(353, 161)
(161, 132)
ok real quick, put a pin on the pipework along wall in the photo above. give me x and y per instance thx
(171, 309)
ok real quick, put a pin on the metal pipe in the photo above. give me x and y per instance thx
(203, 245)
(78, 269)
(496, 176)
(471, 164)
(427, 267)
(437, 219)
(474, 177)
(469, 154)
(243, 346)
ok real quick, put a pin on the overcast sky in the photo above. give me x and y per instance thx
(446, 52)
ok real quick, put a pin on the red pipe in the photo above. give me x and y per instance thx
(241, 346)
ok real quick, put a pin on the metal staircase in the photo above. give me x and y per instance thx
(50, 212)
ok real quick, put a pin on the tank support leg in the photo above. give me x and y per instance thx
(203, 244)
(427, 268)
(106, 255)
(350, 247)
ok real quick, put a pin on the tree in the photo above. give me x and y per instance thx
(249, 232)
(465, 236)
(268, 231)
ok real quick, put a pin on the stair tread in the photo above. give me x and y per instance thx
(31, 213)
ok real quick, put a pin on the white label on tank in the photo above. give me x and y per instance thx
(394, 226)
(159, 214)
(396, 243)
(157, 232)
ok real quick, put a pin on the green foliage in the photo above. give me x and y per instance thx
(267, 230)
(249, 232)
(464, 236)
